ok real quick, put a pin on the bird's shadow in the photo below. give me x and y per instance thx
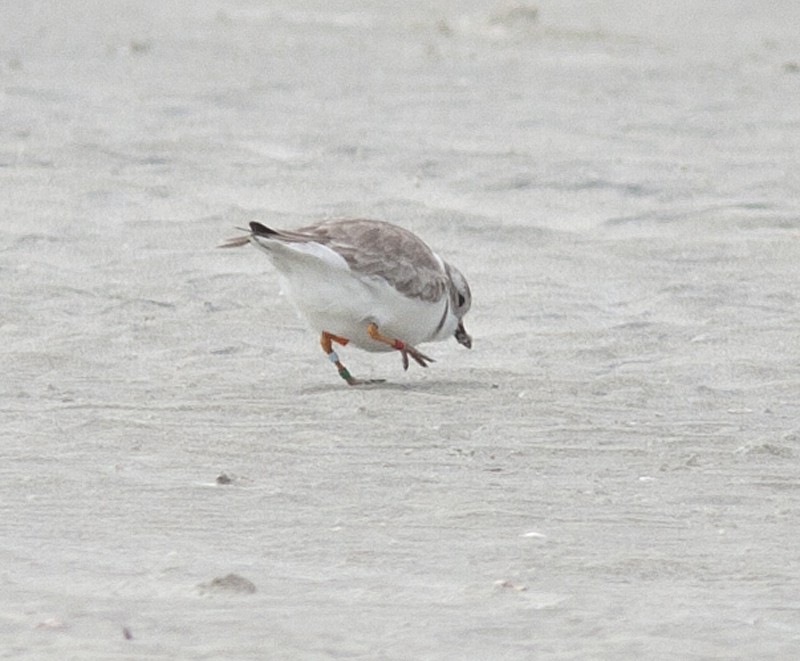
(440, 386)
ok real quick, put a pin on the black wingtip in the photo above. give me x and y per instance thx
(261, 230)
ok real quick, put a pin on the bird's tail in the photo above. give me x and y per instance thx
(235, 242)
(256, 229)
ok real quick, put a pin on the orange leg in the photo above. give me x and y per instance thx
(405, 350)
(327, 340)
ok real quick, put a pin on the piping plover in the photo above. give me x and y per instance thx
(367, 283)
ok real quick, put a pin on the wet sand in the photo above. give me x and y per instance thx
(610, 473)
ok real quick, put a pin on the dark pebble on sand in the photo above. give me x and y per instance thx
(232, 583)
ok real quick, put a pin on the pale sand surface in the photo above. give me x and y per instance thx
(613, 472)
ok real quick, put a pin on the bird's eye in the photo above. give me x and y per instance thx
(461, 300)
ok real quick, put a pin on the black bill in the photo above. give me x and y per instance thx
(462, 337)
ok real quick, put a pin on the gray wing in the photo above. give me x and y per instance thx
(379, 249)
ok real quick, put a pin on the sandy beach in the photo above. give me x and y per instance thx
(613, 470)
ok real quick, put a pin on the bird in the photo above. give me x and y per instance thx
(368, 283)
